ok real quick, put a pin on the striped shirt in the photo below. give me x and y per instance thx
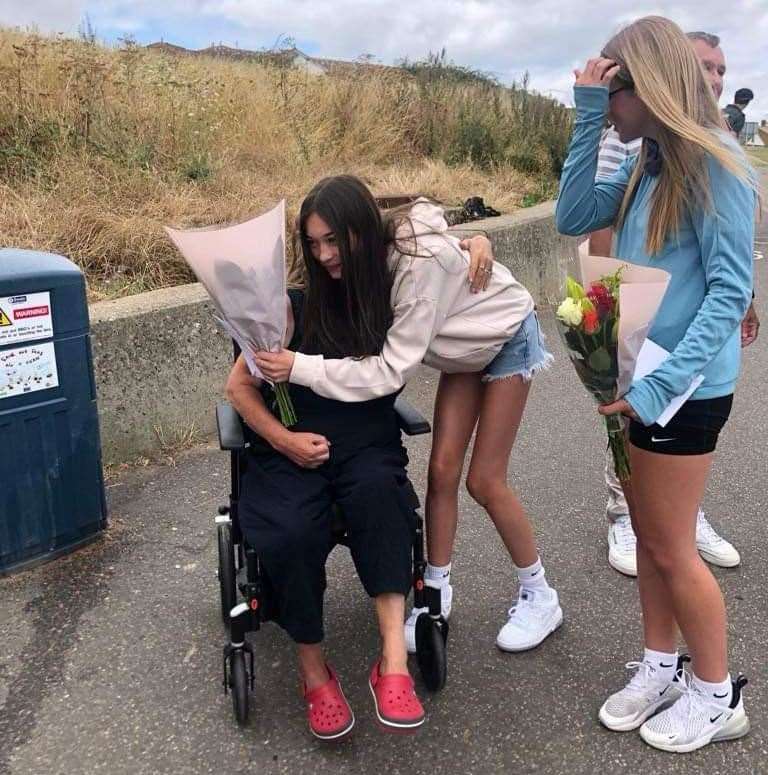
(613, 153)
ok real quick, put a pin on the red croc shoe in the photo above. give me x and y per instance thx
(328, 711)
(397, 705)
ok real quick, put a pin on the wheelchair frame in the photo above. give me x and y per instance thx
(243, 592)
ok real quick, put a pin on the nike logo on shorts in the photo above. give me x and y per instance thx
(659, 441)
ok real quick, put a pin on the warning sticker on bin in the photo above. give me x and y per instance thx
(25, 318)
(28, 369)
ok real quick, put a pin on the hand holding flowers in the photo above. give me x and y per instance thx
(275, 366)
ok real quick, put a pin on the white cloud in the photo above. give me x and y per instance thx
(46, 15)
(547, 38)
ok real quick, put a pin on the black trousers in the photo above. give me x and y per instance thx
(285, 513)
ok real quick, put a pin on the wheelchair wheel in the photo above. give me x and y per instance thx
(431, 639)
(227, 574)
(239, 685)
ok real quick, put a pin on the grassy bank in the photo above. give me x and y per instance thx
(100, 147)
(759, 154)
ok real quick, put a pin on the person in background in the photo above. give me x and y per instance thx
(622, 543)
(734, 113)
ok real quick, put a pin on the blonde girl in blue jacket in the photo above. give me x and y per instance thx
(686, 205)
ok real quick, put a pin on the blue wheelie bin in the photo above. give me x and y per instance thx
(51, 483)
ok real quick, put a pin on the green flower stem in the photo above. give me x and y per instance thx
(284, 404)
(617, 441)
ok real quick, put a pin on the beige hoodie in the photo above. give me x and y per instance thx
(437, 320)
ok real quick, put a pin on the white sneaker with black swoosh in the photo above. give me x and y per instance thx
(695, 720)
(645, 694)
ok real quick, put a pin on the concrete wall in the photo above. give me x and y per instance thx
(161, 362)
(528, 243)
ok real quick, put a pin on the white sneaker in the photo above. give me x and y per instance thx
(446, 602)
(535, 616)
(713, 547)
(622, 546)
(695, 720)
(645, 694)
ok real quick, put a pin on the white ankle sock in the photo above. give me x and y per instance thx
(663, 663)
(438, 576)
(720, 692)
(533, 578)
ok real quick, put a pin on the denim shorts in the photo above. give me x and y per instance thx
(524, 354)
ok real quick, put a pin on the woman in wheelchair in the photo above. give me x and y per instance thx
(344, 453)
(488, 348)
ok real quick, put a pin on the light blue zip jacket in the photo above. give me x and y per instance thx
(709, 260)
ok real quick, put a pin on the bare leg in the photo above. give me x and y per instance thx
(667, 490)
(501, 411)
(390, 609)
(456, 408)
(312, 665)
(659, 626)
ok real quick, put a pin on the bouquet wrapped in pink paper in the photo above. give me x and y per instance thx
(243, 269)
(604, 321)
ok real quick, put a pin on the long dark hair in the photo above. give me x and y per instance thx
(350, 316)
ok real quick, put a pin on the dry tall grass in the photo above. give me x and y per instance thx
(100, 147)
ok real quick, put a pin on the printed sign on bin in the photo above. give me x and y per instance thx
(25, 318)
(28, 369)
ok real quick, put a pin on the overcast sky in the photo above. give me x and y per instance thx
(548, 38)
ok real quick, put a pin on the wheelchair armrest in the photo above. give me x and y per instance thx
(230, 427)
(409, 418)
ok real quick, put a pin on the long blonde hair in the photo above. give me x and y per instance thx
(659, 62)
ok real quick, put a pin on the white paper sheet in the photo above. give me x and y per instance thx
(650, 358)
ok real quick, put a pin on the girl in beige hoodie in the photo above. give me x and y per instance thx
(487, 346)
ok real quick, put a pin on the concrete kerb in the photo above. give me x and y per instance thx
(160, 360)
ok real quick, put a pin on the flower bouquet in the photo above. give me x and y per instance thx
(243, 269)
(603, 322)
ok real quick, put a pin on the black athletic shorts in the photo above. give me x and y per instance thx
(692, 431)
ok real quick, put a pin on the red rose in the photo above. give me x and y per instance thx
(601, 297)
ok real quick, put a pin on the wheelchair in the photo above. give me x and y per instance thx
(244, 588)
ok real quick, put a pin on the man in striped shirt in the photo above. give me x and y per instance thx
(621, 537)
